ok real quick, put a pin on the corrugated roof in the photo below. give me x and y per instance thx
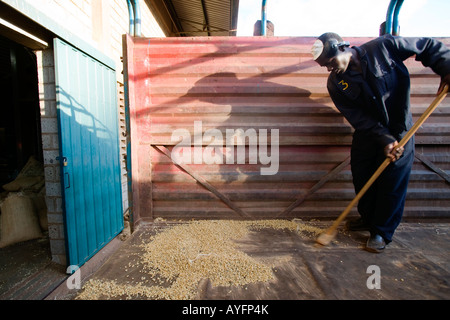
(204, 17)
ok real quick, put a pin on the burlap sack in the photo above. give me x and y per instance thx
(24, 183)
(31, 177)
(32, 168)
(19, 221)
(40, 208)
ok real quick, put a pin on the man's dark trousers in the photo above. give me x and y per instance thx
(382, 205)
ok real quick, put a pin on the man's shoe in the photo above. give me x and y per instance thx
(375, 244)
(357, 225)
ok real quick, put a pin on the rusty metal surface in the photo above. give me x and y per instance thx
(258, 83)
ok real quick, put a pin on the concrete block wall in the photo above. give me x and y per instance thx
(50, 147)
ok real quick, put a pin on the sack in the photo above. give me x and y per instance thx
(25, 183)
(33, 168)
(40, 208)
(19, 221)
(31, 177)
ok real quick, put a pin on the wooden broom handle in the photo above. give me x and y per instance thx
(423, 117)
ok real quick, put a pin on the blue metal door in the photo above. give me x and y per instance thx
(89, 151)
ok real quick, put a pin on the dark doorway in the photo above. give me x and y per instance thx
(23, 254)
(20, 130)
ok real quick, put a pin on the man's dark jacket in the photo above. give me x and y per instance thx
(376, 103)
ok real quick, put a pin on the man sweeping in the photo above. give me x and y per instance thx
(370, 86)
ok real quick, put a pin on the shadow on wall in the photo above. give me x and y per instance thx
(245, 141)
(253, 132)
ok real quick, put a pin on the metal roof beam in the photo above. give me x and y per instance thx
(210, 28)
(205, 15)
(173, 15)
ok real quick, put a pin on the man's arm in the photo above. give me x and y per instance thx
(431, 52)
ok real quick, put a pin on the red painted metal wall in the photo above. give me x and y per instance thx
(231, 83)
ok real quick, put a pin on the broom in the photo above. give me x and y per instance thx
(326, 237)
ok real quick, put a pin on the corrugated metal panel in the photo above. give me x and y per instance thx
(258, 83)
(89, 151)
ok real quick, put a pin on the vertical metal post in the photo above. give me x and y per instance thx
(263, 18)
(137, 18)
(395, 24)
(130, 18)
(389, 17)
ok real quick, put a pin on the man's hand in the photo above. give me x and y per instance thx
(444, 81)
(392, 152)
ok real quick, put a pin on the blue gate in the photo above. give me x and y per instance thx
(89, 151)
